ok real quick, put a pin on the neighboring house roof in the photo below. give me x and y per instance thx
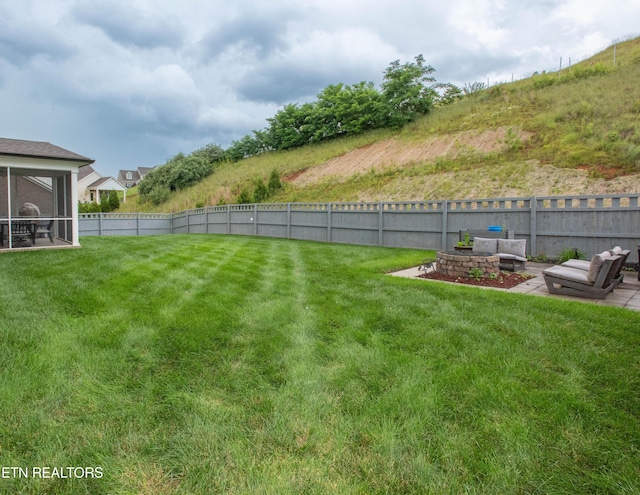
(108, 183)
(122, 176)
(39, 149)
(85, 171)
(97, 183)
(136, 175)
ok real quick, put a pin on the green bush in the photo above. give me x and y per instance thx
(570, 254)
(114, 201)
(159, 194)
(275, 184)
(544, 80)
(261, 192)
(244, 198)
(177, 173)
(92, 207)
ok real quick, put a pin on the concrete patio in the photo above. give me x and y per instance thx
(626, 295)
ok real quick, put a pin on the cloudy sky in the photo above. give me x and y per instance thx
(133, 82)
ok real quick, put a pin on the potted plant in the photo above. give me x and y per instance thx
(466, 244)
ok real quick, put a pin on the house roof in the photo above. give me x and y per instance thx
(122, 175)
(114, 184)
(85, 171)
(100, 181)
(39, 149)
(136, 175)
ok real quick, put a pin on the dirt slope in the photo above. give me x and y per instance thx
(392, 153)
(506, 180)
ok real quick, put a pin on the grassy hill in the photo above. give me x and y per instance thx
(576, 131)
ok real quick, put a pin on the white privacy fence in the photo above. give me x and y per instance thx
(550, 224)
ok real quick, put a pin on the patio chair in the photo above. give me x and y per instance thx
(618, 277)
(46, 231)
(512, 252)
(594, 283)
(23, 234)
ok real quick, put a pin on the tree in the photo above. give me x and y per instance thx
(187, 172)
(210, 153)
(275, 183)
(114, 201)
(177, 173)
(347, 110)
(105, 204)
(342, 109)
(249, 145)
(405, 91)
(261, 192)
(290, 127)
(448, 93)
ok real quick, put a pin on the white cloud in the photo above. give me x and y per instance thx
(138, 80)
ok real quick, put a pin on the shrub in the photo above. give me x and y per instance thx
(544, 80)
(114, 201)
(261, 192)
(159, 194)
(570, 254)
(274, 182)
(92, 207)
(244, 198)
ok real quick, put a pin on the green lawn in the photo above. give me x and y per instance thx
(212, 364)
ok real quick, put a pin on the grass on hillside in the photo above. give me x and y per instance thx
(586, 116)
(193, 364)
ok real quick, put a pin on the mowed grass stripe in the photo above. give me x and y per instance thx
(298, 367)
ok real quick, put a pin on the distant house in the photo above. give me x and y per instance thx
(92, 185)
(38, 189)
(130, 178)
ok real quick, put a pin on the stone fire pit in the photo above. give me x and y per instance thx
(458, 263)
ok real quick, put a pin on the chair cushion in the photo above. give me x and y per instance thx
(517, 247)
(596, 263)
(566, 273)
(505, 256)
(484, 245)
(579, 264)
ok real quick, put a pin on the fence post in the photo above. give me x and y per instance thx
(445, 207)
(533, 250)
(228, 219)
(100, 223)
(380, 223)
(138, 223)
(255, 219)
(329, 208)
(288, 220)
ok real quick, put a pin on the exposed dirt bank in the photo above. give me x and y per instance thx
(502, 180)
(393, 153)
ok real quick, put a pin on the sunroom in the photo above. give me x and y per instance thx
(38, 195)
